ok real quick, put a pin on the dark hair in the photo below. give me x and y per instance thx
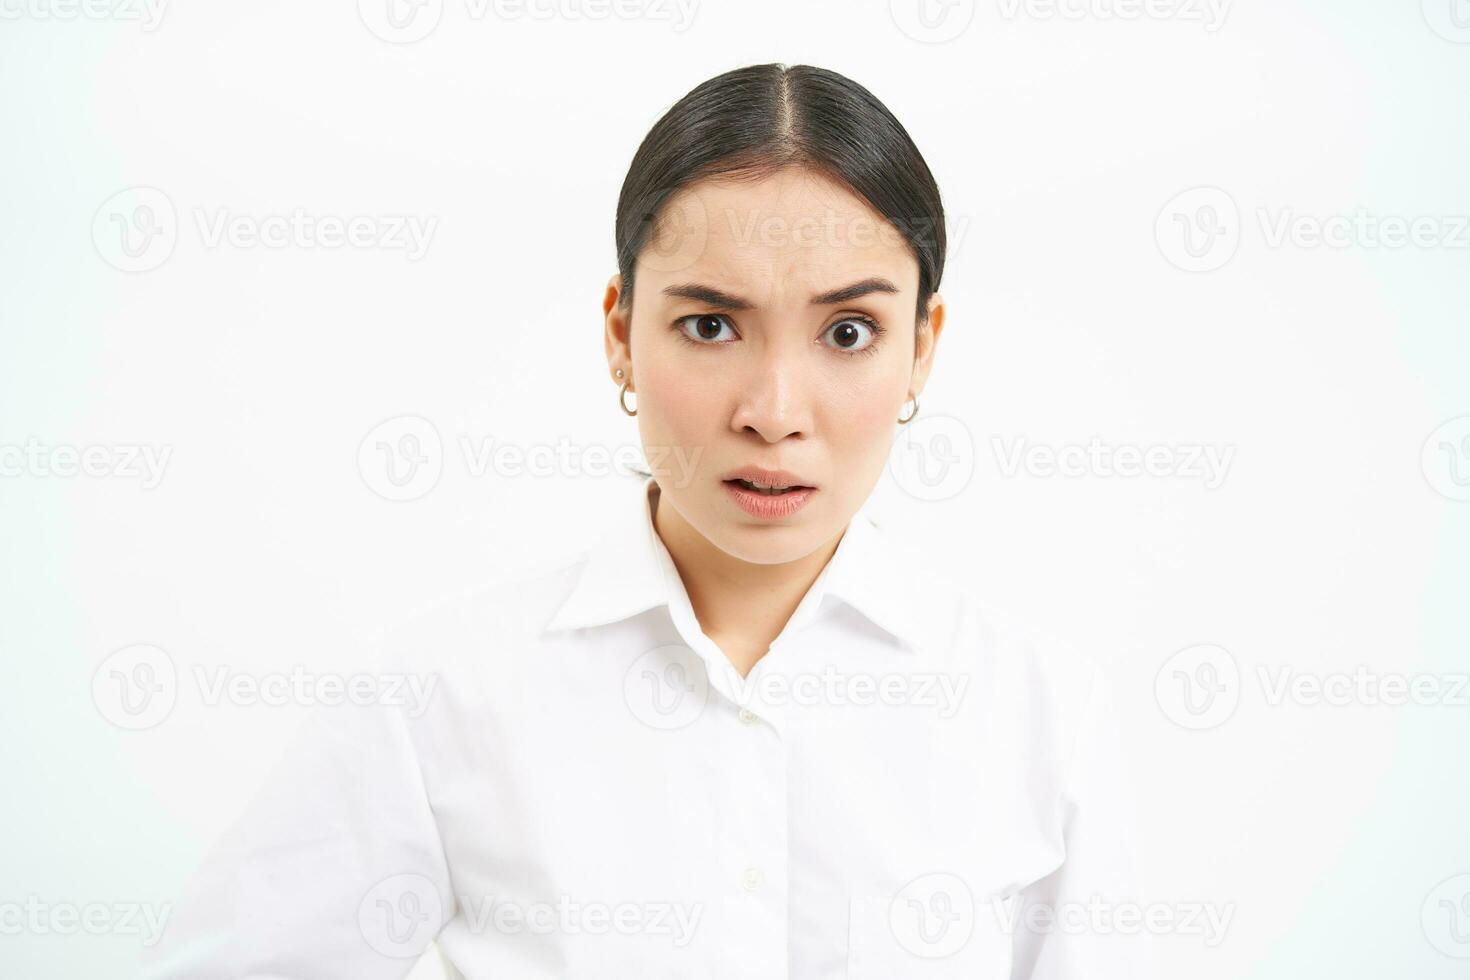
(754, 121)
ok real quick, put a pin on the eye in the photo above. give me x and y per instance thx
(854, 334)
(704, 328)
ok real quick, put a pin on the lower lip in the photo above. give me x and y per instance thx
(769, 506)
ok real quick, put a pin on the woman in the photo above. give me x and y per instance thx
(746, 735)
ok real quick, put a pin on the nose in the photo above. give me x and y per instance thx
(776, 398)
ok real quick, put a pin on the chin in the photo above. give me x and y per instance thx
(771, 544)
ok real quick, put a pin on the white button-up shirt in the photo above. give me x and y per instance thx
(898, 789)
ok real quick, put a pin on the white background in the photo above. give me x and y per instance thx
(1337, 538)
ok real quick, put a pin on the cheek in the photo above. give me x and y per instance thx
(673, 399)
(858, 420)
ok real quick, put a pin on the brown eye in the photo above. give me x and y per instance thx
(705, 328)
(853, 333)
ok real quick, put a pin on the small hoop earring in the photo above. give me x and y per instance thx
(910, 418)
(623, 400)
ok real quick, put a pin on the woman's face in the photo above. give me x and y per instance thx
(772, 328)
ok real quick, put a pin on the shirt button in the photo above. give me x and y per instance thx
(748, 717)
(751, 879)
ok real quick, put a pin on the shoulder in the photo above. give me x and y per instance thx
(503, 611)
(1030, 677)
(1048, 688)
(975, 633)
(987, 637)
(1030, 653)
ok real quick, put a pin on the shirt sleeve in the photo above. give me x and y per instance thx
(335, 870)
(1084, 921)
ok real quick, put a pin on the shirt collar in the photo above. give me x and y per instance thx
(629, 571)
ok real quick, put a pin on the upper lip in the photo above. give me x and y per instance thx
(769, 478)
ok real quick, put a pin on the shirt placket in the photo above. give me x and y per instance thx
(753, 852)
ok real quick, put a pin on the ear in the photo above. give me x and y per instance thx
(616, 334)
(925, 343)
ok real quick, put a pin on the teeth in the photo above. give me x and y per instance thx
(762, 487)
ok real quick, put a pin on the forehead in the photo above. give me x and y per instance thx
(774, 238)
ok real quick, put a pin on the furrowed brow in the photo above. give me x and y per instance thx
(873, 284)
(719, 299)
(708, 295)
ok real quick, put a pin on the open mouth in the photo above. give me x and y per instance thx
(766, 490)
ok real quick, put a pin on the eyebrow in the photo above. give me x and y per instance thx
(726, 301)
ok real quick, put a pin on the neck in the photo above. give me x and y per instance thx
(740, 605)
